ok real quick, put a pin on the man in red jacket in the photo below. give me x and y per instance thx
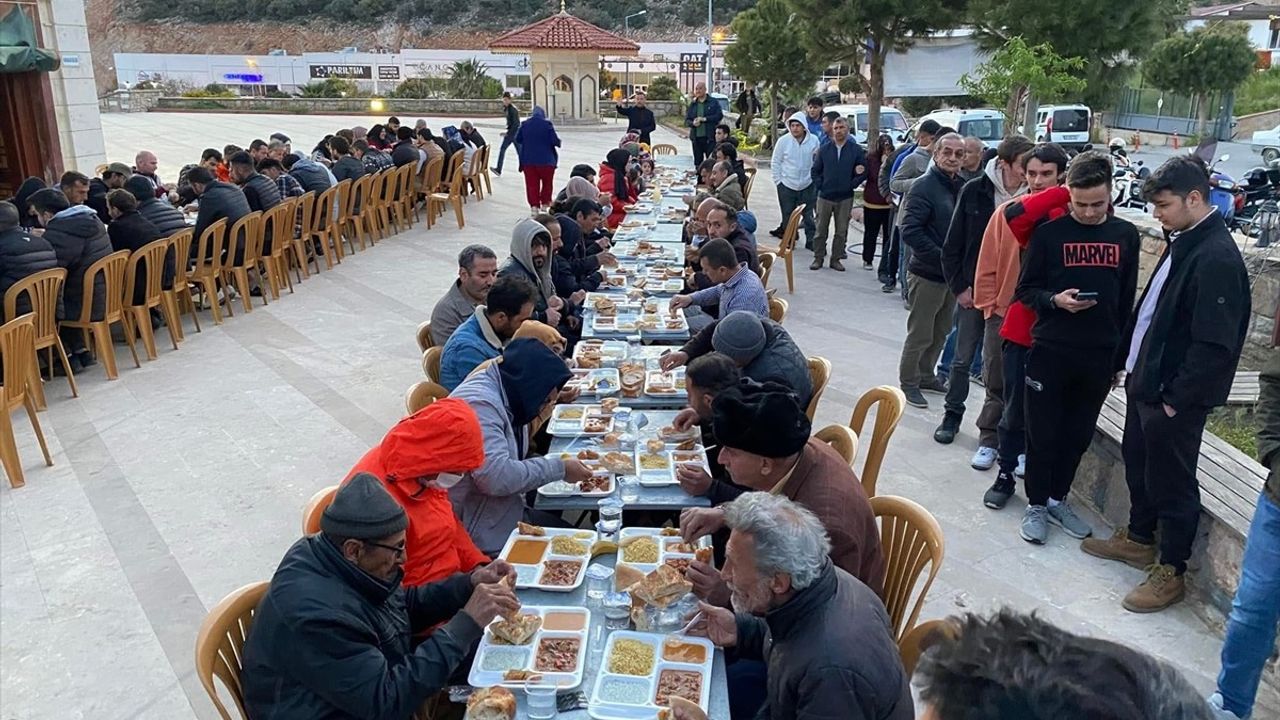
(418, 461)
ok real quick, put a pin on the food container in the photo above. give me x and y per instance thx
(539, 566)
(493, 658)
(596, 382)
(666, 384)
(602, 484)
(599, 353)
(654, 474)
(625, 696)
(580, 420)
(671, 550)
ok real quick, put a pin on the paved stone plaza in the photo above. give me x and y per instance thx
(185, 479)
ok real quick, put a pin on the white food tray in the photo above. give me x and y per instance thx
(499, 658)
(529, 574)
(605, 705)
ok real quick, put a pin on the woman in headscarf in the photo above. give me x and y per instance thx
(538, 142)
(613, 180)
(22, 199)
(420, 458)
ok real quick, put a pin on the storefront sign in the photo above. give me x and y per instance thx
(244, 78)
(693, 63)
(350, 72)
(388, 72)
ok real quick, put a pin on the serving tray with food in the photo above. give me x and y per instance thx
(595, 382)
(551, 559)
(642, 672)
(657, 461)
(642, 555)
(578, 420)
(640, 208)
(548, 642)
(666, 384)
(600, 353)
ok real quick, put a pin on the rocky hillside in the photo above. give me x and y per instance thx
(235, 26)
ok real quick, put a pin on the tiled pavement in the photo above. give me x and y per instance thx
(185, 479)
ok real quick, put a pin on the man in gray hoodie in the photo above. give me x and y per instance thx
(507, 396)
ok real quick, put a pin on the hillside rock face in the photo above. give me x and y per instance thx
(114, 27)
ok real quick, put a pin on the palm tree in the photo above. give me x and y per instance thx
(469, 79)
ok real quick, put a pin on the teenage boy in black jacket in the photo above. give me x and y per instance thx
(1080, 276)
(1180, 351)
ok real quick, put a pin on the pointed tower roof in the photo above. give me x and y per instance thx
(563, 31)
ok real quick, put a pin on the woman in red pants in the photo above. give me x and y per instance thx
(537, 141)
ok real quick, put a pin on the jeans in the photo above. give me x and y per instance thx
(949, 351)
(1251, 626)
(789, 199)
(927, 321)
(888, 270)
(829, 210)
(1011, 430)
(876, 221)
(1160, 456)
(507, 141)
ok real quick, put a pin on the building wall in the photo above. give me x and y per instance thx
(75, 97)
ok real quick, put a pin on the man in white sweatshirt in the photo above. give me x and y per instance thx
(792, 162)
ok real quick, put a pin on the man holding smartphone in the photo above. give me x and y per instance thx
(1080, 276)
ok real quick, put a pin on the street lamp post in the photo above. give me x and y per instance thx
(710, 52)
(626, 30)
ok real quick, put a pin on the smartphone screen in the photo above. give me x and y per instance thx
(1089, 295)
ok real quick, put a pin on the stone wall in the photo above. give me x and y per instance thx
(447, 107)
(1264, 275)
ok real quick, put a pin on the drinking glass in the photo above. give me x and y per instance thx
(541, 700)
(610, 518)
(599, 582)
(617, 610)
(629, 488)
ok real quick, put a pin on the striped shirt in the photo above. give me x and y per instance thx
(743, 291)
(289, 186)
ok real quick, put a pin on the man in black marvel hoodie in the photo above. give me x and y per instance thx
(1080, 276)
(1180, 351)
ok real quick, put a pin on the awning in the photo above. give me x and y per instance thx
(18, 51)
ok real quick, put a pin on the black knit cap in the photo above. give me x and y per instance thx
(761, 418)
(364, 510)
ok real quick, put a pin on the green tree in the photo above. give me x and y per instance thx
(470, 79)
(1208, 60)
(766, 52)
(1017, 71)
(925, 104)
(1261, 92)
(418, 87)
(663, 87)
(1111, 35)
(854, 31)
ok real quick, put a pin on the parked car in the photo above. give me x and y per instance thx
(983, 123)
(1270, 142)
(1067, 125)
(892, 121)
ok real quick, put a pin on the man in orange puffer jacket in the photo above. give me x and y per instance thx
(417, 461)
(996, 278)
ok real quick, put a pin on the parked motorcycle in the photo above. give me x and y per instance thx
(1126, 184)
(1222, 191)
(1257, 203)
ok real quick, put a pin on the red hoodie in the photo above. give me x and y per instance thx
(445, 436)
(616, 212)
(1023, 216)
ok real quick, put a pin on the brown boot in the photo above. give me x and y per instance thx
(837, 265)
(1119, 547)
(1162, 588)
(816, 264)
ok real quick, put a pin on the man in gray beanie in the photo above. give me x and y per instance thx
(758, 345)
(333, 637)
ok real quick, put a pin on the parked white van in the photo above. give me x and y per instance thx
(1066, 125)
(983, 123)
(892, 122)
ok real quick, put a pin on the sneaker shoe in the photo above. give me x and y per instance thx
(946, 432)
(1121, 548)
(934, 385)
(817, 263)
(997, 496)
(1162, 588)
(837, 265)
(1064, 517)
(496, 172)
(1215, 702)
(976, 379)
(984, 459)
(868, 266)
(1021, 471)
(1035, 524)
(888, 287)
(914, 397)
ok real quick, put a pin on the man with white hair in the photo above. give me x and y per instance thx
(824, 636)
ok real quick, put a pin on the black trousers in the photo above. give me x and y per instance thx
(875, 221)
(1160, 456)
(702, 148)
(1011, 431)
(1065, 389)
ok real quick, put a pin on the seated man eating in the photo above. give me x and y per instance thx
(333, 636)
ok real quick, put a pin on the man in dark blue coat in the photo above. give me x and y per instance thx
(332, 638)
(702, 117)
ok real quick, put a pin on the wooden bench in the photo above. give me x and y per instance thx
(1229, 480)
(1244, 389)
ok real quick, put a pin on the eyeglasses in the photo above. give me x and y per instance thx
(397, 549)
